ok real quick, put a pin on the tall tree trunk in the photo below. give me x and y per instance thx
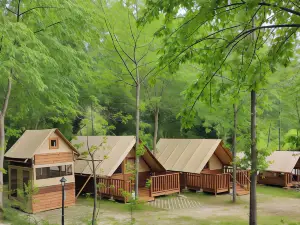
(234, 152)
(156, 113)
(253, 209)
(137, 132)
(2, 136)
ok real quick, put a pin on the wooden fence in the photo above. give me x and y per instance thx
(164, 184)
(114, 187)
(242, 177)
(209, 182)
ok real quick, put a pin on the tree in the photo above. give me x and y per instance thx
(37, 46)
(130, 52)
(210, 33)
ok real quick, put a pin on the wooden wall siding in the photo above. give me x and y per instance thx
(60, 157)
(51, 197)
(283, 181)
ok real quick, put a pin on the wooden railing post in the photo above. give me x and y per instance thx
(151, 186)
(215, 184)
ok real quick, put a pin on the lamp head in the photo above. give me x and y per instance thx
(63, 180)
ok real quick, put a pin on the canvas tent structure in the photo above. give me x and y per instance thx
(37, 162)
(283, 169)
(202, 163)
(115, 159)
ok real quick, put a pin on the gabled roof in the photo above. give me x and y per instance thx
(283, 161)
(190, 155)
(110, 155)
(29, 143)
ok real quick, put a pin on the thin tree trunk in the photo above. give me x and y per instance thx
(92, 120)
(234, 152)
(137, 132)
(155, 129)
(279, 126)
(253, 208)
(2, 136)
(95, 191)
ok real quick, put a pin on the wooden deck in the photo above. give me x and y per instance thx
(119, 189)
(218, 182)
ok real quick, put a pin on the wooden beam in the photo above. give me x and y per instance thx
(84, 186)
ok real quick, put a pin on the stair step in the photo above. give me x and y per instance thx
(239, 193)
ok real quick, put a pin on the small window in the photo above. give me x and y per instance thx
(53, 171)
(53, 143)
(130, 162)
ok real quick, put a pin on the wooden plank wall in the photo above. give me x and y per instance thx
(51, 197)
(60, 157)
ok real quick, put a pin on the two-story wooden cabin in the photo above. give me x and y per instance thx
(202, 163)
(283, 169)
(39, 159)
(114, 160)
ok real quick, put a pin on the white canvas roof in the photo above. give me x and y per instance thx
(30, 141)
(283, 161)
(113, 151)
(190, 155)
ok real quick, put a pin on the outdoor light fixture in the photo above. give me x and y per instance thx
(63, 182)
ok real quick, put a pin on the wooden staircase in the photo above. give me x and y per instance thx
(241, 190)
(144, 195)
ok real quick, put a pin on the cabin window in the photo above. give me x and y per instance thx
(53, 143)
(119, 169)
(13, 182)
(53, 171)
(130, 162)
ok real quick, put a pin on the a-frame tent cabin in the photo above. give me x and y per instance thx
(283, 169)
(203, 164)
(38, 160)
(114, 161)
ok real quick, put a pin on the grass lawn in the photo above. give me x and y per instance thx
(277, 192)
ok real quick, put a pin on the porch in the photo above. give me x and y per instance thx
(217, 181)
(159, 185)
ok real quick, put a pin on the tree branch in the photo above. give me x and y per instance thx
(282, 8)
(247, 32)
(10, 10)
(53, 24)
(39, 7)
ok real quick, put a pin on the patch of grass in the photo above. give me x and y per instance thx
(106, 204)
(277, 191)
(14, 217)
(233, 220)
(207, 198)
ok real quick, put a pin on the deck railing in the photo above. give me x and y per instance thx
(242, 176)
(214, 182)
(164, 184)
(114, 187)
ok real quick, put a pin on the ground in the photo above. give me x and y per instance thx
(275, 206)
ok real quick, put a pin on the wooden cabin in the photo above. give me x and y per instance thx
(203, 164)
(37, 162)
(283, 169)
(114, 161)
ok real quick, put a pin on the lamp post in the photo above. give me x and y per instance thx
(63, 182)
